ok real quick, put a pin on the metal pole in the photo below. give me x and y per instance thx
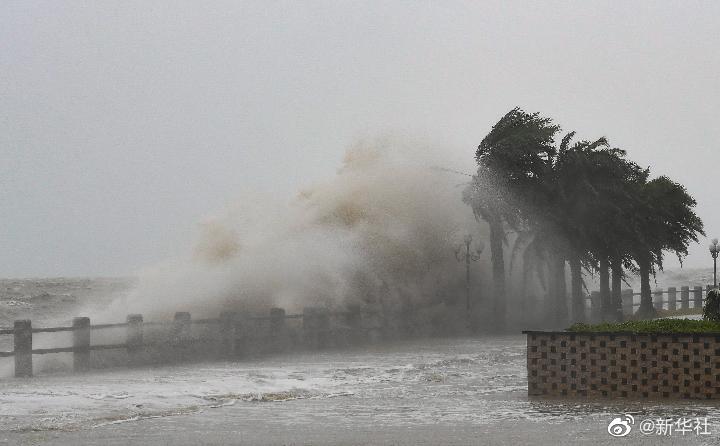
(469, 258)
(714, 251)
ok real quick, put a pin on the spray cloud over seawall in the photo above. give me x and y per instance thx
(381, 233)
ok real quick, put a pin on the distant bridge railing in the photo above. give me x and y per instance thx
(232, 336)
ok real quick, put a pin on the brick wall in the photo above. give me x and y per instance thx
(624, 365)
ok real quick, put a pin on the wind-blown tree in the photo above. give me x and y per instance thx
(664, 221)
(585, 195)
(580, 217)
(630, 219)
(511, 160)
(581, 203)
(490, 202)
(608, 231)
(548, 241)
(573, 197)
(548, 195)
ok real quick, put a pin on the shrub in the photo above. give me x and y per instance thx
(711, 311)
(651, 326)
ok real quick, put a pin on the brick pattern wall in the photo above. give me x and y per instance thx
(624, 365)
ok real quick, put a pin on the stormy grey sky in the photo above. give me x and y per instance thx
(123, 124)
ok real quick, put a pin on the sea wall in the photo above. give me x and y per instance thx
(632, 365)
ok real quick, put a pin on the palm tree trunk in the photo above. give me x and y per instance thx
(498, 266)
(604, 288)
(578, 302)
(559, 289)
(616, 299)
(646, 309)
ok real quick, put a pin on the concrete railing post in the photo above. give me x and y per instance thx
(324, 332)
(23, 348)
(672, 298)
(181, 326)
(277, 320)
(309, 327)
(658, 299)
(627, 297)
(134, 337)
(697, 297)
(227, 333)
(316, 326)
(277, 329)
(685, 297)
(81, 344)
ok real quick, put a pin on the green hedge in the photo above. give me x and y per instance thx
(652, 326)
(711, 311)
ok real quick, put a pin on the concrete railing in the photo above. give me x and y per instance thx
(663, 299)
(320, 328)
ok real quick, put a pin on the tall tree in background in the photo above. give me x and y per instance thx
(581, 222)
(490, 202)
(578, 219)
(665, 221)
(511, 160)
(573, 199)
(581, 203)
(616, 181)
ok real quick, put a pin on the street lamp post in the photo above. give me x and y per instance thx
(468, 257)
(714, 251)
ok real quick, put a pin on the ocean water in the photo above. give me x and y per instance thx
(450, 381)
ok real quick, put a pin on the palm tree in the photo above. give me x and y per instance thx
(574, 199)
(511, 159)
(665, 221)
(611, 179)
(583, 179)
(581, 203)
(488, 198)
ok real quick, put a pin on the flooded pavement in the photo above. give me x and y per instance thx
(425, 391)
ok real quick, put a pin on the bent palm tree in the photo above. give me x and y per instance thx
(511, 159)
(669, 223)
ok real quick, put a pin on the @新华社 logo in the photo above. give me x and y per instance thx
(621, 426)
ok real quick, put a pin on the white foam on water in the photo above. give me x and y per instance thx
(124, 395)
(416, 383)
